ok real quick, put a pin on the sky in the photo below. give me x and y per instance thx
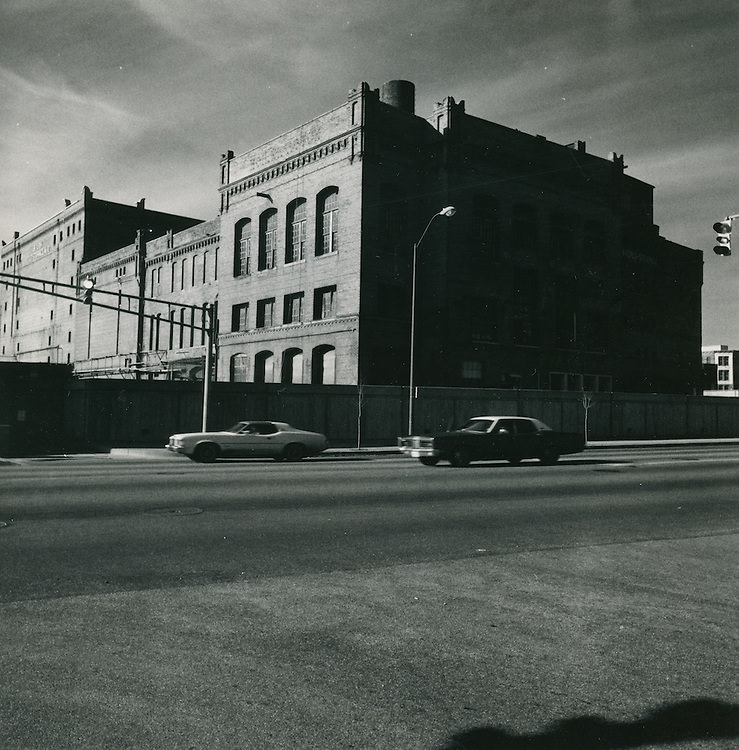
(139, 98)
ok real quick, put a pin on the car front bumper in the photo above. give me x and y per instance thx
(418, 447)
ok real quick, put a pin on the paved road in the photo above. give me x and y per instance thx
(371, 603)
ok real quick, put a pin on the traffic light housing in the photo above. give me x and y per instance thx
(723, 237)
(88, 285)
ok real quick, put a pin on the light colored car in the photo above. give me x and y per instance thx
(252, 439)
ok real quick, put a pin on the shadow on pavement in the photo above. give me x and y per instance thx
(680, 722)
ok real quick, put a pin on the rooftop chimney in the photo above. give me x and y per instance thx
(399, 94)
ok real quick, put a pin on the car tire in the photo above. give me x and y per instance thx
(460, 458)
(550, 455)
(293, 452)
(429, 460)
(205, 453)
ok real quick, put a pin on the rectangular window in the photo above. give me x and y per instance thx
(472, 369)
(723, 360)
(266, 312)
(723, 374)
(324, 303)
(483, 318)
(293, 311)
(240, 317)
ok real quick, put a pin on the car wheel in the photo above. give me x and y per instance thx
(460, 457)
(550, 455)
(205, 453)
(429, 460)
(293, 452)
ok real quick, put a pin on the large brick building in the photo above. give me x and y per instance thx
(43, 326)
(551, 274)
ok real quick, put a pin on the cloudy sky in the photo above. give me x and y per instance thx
(138, 98)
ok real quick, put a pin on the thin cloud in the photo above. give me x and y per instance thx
(56, 89)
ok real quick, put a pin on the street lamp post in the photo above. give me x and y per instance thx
(448, 211)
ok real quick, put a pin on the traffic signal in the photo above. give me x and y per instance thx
(87, 285)
(723, 237)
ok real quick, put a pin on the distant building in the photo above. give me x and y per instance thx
(725, 363)
(42, 326)
(551, 274)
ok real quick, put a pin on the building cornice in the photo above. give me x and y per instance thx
(291, 331)
(290, 164)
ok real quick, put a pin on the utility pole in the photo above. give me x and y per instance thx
(141, 271)
(210, 336)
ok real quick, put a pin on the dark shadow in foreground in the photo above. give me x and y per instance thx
(681, 722)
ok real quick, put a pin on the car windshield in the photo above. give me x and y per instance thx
(477, 425)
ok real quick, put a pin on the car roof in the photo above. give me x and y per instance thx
(509, 416)
(501, 416)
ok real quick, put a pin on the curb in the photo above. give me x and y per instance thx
(162, 454)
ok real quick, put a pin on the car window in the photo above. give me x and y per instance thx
(477, 425)
(263, 428)
(505, 424)
(525, 426)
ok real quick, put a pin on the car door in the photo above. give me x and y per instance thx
(253, 439)
(527, 438)
(503, 442)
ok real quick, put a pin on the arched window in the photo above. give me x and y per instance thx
(563, 237)
(242, 248)
(181, 337)
(292, 366)
(239, 368)
(392, 223)
(524, 232)
(484, 230)
(267, 239)
(172, 325)
(295, 233)
(594, 243)
(323, 365)
(327, 239)
(264, 367)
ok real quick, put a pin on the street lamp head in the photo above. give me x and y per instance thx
(448, 211)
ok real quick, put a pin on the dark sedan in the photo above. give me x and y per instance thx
(483, 438)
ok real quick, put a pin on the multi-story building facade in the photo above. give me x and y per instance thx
(725, 362)
(551, 274)
(39, 314)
